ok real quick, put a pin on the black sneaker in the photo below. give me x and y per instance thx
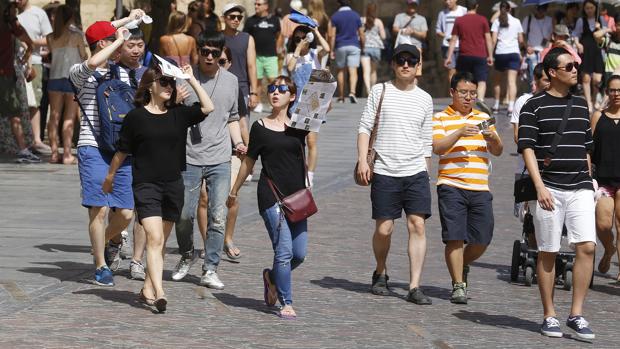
(551, 328)
(580, 326)
(380, 284)
(459, 293)
(352, 99)
(416, 296)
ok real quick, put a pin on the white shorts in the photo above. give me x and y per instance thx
(574, 209)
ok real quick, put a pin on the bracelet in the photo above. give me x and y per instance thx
(236, 144)
(232, 196)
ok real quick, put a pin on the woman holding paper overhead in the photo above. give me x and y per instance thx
(281, 149)
(155, 135)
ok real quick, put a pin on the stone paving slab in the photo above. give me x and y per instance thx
(47, 300)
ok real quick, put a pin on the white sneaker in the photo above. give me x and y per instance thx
(182, 268)
(126, 249)
(136, 270)
(211, 280)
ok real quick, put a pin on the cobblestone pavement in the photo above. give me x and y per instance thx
(47, 300)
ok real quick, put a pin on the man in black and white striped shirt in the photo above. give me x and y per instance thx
(564, 186)
(400, 181)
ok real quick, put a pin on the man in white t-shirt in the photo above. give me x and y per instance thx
(38, 26)
(537, 28)
(445, 22)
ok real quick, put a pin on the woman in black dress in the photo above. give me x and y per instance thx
(155, 135)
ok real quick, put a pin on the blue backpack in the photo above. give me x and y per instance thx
(114, 100)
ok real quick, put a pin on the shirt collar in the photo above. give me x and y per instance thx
(345, 8)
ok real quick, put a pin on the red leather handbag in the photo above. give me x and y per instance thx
(298, 206)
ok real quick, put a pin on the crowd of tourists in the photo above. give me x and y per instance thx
(186, 146)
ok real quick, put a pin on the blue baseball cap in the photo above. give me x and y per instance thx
(300, 18)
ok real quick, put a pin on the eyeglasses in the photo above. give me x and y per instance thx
(613, 91)
(235, 17)
(165, 82)
(569, 67)
(205, 52)
(281, 88)
(298, 39)
(402, 60)
(260, 3)
(465, 93)
(222, 61)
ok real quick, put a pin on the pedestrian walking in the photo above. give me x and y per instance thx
(154, 134)
(67, 47)
(374, 32)
(561, 38)
(281, 150)
(555, 139)
(209, 148)
(507, 36)
(203, 17)
(541, 83)
(411, 28)
(176, 45)
(463, 137)
(475, 48)
(401, 114)
(610, 42)
(537, 27)
(445, 24)
(606, 137)
(346, 41)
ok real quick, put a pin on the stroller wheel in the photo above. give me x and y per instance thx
(516, 259)
(568, 280)
(529, 275)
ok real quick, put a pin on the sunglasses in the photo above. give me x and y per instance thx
(281, 88)
(402, 60)
(165, 82)
(569, 67)
(222, 61)
(235, 17)
(205, 52)
(298, 39)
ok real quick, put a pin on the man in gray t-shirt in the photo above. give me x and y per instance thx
(411, 25)
(208, 159)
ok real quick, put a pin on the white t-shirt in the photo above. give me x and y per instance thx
(507, 38)
(445, 23)
(514, 119)
(38, 26)
(540, 29)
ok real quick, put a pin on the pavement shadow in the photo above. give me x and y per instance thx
(63, 271)
(503, 271)
(118, 296)
(347, 285)
(499, 321)
(437, 292)
(63, 248)
(240, 302)
(608, 289)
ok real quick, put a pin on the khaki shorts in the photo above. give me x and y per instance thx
(235, 165)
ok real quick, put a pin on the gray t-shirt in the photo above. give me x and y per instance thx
(216, 147)
(38, 26)
(418, 24)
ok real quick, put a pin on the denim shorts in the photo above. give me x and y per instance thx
(465, 215)
(373, 52)
(59, 85)
(391, 195)
(348, 56)
(93, 166)
(509, 61)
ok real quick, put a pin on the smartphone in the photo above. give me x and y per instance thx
(484, 126)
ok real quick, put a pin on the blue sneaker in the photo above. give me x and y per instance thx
(551, 328)
(104, 277)
(580, 326)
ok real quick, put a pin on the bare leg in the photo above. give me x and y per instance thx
(472, 253)
(604, 225)
(373, 72)
(366, 70)
(381, 241)
(596, 81)
(586, 81)
(582, 274)
(546, 281)
(233, 212)
(617, 209)
(482, 90)
(96, 231)
(56, 103)
(454, 259)
(451, 73)
(352, 80)
(497, 88)
(18, 132)
(340, 77)
(71, 108)
(35, 121)
(119, 220)
(416, 248)
(512, 88)
(201, 213)
(155, 241)
(139, 241)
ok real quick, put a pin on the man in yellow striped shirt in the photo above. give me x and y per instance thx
(463, 138)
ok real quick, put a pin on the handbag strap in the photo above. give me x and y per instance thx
(559, 133)
(375, 128)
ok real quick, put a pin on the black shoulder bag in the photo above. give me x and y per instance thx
(524, 189)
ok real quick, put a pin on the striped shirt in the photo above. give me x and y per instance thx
(82, 78)
(466, 164)
(538, 123)
(404, 135)
(445, 22)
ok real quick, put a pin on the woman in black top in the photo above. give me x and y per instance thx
(606, 128)
(155, 135)
(280, 148)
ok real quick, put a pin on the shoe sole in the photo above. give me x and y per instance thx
(419, 302)
(552, 334)
(179, 278)
(138, 277)
(380, 292)
(458, 301)
(160, 305)
(213, 287)
(102, 284)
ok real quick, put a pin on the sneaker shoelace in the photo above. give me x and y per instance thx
(581, 322)
(552, 322)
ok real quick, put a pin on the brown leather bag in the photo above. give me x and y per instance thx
(371, 156)
(298, 206)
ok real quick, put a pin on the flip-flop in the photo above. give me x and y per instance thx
(266, 287)
(228, 250)
(286, 316)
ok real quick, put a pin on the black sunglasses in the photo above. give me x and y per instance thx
(233, 17)
(222, 61)
(569, 67)
(205, 52)
(165, 82)
(281, 88)
(402, 60)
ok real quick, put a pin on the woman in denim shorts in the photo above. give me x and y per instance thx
(375, 34)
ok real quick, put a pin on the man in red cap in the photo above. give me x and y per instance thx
(105, 40)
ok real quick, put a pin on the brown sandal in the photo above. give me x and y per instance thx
(142, 298)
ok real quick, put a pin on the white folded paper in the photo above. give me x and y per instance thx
(168, 69)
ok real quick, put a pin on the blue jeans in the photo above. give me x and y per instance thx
(289, 242)
(217, 179)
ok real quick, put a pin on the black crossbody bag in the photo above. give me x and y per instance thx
(524, 189)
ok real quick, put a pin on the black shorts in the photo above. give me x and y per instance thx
(508, 61)
(465, 215)
(159, 199)
(391, 195)
(475, 65)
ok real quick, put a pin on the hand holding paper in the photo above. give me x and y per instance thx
(169, 69)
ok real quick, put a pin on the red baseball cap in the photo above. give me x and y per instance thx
(99, 31)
